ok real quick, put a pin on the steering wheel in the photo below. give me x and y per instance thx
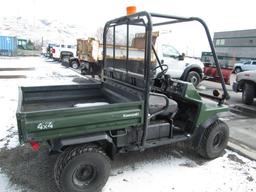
(164, 70)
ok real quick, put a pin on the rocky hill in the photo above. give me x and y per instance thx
(41, 30)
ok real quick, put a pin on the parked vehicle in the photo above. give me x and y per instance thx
(245, 66)
(210, 70)
(89, 57)
(44, 51)
(63, 51)
(180, 66)
(134, 107)
(25, 44)
(211, 73)
(49, 50)
(246, 83)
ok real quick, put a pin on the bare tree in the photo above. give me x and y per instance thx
(120, 35)
(99, 35)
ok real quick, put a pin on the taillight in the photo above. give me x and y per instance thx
(53, 50)
(35, 145)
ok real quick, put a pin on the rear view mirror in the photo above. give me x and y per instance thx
(181, 57)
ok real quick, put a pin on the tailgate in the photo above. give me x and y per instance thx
(50, 124)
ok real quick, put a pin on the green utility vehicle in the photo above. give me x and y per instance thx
(132, 108)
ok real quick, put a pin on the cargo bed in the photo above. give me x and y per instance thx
(49, 112)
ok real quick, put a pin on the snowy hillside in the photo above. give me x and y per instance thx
(50, 31)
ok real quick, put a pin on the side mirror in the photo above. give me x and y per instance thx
(216, 93)
(181, 57)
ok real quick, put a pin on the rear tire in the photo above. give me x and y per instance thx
(83, 168)
(214, 140)
(75, 65)
(194, 78)
(248, 93)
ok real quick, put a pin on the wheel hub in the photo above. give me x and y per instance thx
(218, 140)
(84, 175)
(193, 80)
(75, 66)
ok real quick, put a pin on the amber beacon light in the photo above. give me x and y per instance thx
(131, 10)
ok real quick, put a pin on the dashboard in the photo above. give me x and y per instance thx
(171, 87)
(177, 88)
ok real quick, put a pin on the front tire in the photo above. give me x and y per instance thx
(238, 70)
(248, 93)
(65, 60)
(214, 140)
(82, 169)
(75, 65)
(194, 78)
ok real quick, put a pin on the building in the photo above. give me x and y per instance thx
(234, 46)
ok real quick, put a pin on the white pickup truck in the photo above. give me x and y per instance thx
(245, 66)
(63, 51)
(180, 66)
(246, 83)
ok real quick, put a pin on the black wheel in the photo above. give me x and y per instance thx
(58, 163)
(65, 60)
(214, 140)
(82, 169)
(238, 70)
(75, 65)
(248, 93)
(194, 78)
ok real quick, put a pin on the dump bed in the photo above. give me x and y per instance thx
(49, 112)
(91, 50)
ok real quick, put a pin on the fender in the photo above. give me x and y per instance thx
(193, 67)
(66, 53)
(74, 59)
(240, 84)
(58, 144)
(199, 131)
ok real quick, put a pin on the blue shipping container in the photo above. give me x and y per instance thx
(8, 45)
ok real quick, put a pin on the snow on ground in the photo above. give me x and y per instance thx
(231, 172)
(6, 186)
(183, 174)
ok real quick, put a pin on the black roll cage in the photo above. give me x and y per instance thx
(138, 19)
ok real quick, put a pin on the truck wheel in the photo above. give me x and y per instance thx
(75, 65)
(83, 168)
(65, 61)
(248, 93)
(194, 78)
(65, 58)
(214, 140)
(238, 70)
